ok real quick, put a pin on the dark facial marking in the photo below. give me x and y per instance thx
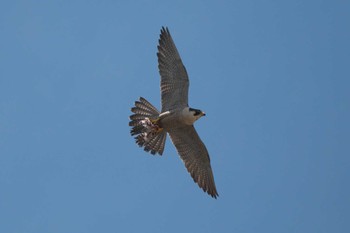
(196, 111)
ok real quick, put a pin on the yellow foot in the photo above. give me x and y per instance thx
(155, 127)
(155, 121)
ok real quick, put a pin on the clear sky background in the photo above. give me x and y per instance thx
(272, 76)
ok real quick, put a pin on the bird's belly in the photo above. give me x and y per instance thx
(171, 121)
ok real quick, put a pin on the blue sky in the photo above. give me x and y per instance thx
(272, 76)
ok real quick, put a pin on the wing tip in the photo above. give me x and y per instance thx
(210, 190)
(164, 34)
(164, 29)
(213, 194)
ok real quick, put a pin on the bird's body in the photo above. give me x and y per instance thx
(150, 126)
(177, 118)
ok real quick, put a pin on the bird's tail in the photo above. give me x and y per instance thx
(145, 127)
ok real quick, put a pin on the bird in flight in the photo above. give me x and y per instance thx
(150, 127)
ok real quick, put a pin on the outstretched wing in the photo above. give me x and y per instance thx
(195, 156)
(174, 79)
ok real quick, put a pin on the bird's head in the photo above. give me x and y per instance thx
(190, 115)
(196, 113)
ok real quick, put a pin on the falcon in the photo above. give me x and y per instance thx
(150, 127)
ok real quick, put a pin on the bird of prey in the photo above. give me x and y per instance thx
(150, 127)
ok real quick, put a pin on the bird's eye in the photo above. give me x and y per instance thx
(196, 113)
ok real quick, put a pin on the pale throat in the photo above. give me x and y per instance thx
(188, 116)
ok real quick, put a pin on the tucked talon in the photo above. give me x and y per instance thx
(155, 121)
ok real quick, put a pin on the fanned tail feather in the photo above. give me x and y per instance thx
(147, 134)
